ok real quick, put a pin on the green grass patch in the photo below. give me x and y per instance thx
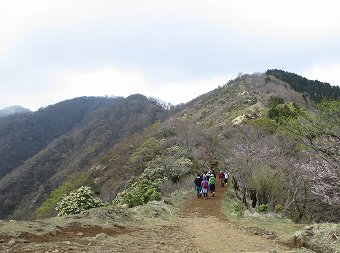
(49, 205)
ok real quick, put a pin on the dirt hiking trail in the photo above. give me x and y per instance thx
(211, 231)
(200, 227)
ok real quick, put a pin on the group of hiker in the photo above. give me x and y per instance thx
(207, 181)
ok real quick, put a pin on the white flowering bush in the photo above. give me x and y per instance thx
(78, 201)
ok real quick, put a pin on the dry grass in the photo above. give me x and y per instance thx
(323, 237)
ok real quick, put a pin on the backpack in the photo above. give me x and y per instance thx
(212, 180)
(205, 184)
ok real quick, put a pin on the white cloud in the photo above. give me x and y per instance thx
(184, 91)
(326, 73)
(283, 19)
(172, 50)
(102, 81)
(110, 81)
(19, 18)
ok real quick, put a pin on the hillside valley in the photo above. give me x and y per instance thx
(40, 150)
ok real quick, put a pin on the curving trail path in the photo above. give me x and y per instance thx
(211, 231)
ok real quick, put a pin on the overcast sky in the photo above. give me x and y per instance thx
(52, 50)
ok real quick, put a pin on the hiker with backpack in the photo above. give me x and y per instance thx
(205, 187)
(212, 182)
(198, 185)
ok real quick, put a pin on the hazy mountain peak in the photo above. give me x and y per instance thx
(13, 110)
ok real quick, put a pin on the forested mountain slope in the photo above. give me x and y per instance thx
(277, 144)
(279, 135)
(46, 147)
(24, 135)
(315, 89)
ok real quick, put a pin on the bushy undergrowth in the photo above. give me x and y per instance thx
(147, 151)
(265, 123)
(78, 201)
(279, 208)
(262, 208)
(239, 209)
(268, 183)
(282, 111)
(141, 192)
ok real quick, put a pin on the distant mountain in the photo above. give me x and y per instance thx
(40, 150)
(24, 135)
(13, 110)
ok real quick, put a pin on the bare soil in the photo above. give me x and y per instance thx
(200, 227)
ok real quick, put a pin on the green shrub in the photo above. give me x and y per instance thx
(275, 101)
(283, 112)
(165, 132)
(78, 201)
(267, 79)
(147, 151)
(142, 192)
(279, 208)
(239, 208)
(265, 123)
(262, 208)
